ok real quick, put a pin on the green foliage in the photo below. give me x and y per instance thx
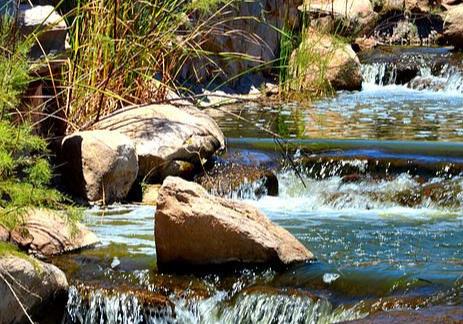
(25, 173)
(13, 77)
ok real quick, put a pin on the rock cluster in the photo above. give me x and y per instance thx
(148, 143)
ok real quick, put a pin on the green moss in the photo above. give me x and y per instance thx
(7, 249)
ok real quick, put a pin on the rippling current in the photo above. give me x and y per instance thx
(386, 227)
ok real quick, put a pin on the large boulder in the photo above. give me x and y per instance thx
(193, 227)
(41, 289)
(453, 27)
(45, 232)
(99, 165)
(166, 137)
(323, 60)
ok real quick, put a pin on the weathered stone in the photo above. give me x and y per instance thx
(345, 17)
(193, 227)
(40, 287)
(321, 57)
(99, 165)
(164, 135)
(50, 27)
(453, 27)
(45, 233)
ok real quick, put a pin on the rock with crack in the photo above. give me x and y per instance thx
(99, 165)
(45, 232)
(166, 137)
(40, 288)
(195, 228)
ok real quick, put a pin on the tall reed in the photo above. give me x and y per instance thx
(130, 52)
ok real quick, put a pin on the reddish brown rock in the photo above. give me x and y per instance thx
(193, 227)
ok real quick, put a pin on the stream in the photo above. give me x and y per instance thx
(370, 181)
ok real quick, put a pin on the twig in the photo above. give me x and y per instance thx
(17, 299)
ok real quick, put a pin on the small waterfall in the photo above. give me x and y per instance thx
(98, 307)
(379, 74)
(445, 79)
(255, 308)
(449, 80)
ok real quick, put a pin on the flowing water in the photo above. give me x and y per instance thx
(371, 182)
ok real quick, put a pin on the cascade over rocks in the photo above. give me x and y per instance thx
(45, 232)
(193, 227)
(231, 179)
(41, 288)
(169, 140)
(99, 165)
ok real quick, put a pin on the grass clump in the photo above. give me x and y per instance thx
(131, 52)
(25, 172)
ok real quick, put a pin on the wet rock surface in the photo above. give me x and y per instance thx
(192, 227)
(45, 233)
(434, 314)
(166, 137)
(99, 165)
(40, 287)
(228, 179)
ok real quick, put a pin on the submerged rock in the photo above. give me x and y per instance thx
(99, 165)
(165, 136)
(322, 59)
(193, 227)
(40, 287)
(45, 233)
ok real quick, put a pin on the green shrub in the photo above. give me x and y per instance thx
(25, 172)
